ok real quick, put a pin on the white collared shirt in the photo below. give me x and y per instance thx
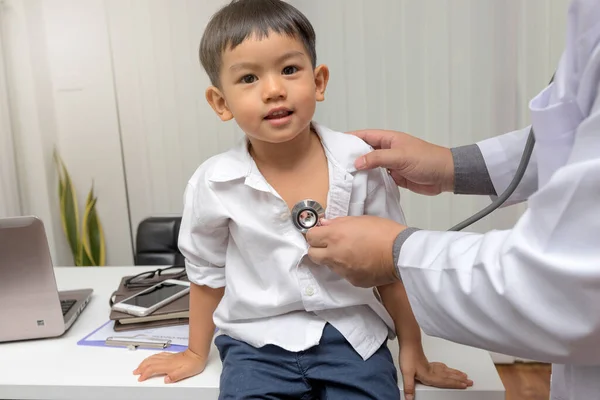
(237, 232)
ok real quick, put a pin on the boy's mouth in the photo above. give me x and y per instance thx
(279, 113)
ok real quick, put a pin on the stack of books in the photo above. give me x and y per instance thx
(174, 313)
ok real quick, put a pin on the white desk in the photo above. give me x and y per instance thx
(60, 369)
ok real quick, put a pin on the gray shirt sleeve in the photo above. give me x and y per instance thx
(398, 242)
(471, 176)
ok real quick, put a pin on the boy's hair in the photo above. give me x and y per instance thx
(240, 19)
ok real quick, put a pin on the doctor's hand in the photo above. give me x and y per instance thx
(414, 164)
(356, 248)
(176, 366)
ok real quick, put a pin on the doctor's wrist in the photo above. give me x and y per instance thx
(448, 174)
(398, 242)
(471, 175)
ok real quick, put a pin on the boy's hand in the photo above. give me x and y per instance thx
(415, 366)
(176, 366)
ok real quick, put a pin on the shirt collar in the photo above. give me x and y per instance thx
(239, 164)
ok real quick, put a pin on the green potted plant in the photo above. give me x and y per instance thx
(86, 241)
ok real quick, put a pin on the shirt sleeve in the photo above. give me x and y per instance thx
(383, 198)
(471, 176)
(487, 168)
(203, 236)
(502, 155)
(532, 291)
(470, 172)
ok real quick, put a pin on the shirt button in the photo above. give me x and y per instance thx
(284, 216)
(309, 291)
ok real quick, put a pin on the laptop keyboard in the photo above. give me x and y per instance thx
(66, 305)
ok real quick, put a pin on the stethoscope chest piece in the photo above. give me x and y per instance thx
(306, 214)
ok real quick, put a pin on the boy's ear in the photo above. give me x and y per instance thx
(321, 79)
(217, 101)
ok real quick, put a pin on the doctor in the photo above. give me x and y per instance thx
(532, 291)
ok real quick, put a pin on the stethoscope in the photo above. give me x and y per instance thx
(307, 214)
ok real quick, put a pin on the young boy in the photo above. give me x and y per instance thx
(287, 327)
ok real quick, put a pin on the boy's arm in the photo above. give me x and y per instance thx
(192, 361)
(203, 237)
(202, 240)
(395, 300)
(203, 303)
(383, 200)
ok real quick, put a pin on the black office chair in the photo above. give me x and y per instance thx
(156, 242)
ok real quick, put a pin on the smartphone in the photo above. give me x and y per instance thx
(149, 300)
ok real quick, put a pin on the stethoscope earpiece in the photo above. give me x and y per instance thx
(306, 214)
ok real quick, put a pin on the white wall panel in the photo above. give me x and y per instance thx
(449, 71)
(168, 128)
(452, 72)
(9, 188)
(62, 96)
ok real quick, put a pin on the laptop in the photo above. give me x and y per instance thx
(31, 307)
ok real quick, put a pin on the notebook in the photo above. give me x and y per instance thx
(174, 313)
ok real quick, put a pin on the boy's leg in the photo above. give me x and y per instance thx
(336, 371)
(269, 372)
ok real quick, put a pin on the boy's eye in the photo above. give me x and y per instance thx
(289, 70)
(248, 79)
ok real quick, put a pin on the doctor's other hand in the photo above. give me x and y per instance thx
(414, 164)
(176, 366)
(356, 248)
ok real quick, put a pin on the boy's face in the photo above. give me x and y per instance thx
(269, 87)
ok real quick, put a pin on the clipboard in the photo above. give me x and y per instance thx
(170, 338)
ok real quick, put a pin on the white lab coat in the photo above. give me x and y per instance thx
(532, 291)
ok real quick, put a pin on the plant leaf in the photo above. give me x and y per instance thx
(90, 196)
(93, 235)
(101, 243)
(85, 260)
(69, 211)
(85, 234)
(61, 185)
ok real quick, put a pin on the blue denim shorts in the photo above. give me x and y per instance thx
(333, 370)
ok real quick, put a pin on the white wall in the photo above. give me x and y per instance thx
(29, 103)
(9, 188)
(63, 92)
(168, 128)
(83, 72)
(452, 72)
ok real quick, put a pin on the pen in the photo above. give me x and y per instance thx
(133, 342)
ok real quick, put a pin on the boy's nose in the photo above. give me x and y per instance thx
(273, 90)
